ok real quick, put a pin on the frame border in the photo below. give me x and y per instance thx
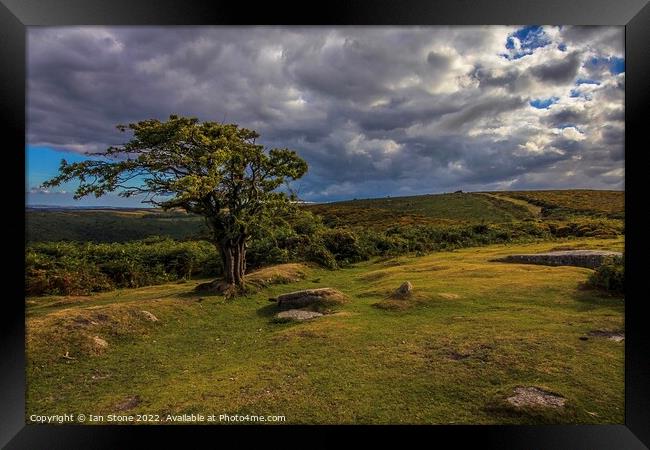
(16, 15)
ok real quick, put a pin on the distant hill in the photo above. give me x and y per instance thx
(125, 224)
(489, 207)
(109, 225)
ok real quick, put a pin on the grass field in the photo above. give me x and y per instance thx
(610, 203)
(473, 331)
(439, 208)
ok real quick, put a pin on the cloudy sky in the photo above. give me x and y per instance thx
(375, 111)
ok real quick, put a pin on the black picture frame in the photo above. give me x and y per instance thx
(16, 15)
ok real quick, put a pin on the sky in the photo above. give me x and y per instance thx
(374, 111)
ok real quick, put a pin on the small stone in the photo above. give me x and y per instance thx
(99, 342)
(149, 316)
(404, 290)
(535, 397)
(297, 314)
(616, 336)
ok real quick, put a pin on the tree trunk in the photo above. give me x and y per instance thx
(228, 263)
(233, 255)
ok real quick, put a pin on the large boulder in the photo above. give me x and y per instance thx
(309, 297)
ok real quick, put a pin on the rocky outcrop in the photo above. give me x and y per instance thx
(580, 258)
(307, 297)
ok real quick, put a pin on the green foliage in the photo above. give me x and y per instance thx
(587, 227)
(81, 268)
(342, 235)
(343, 245)
(609, 276)
(210, 169)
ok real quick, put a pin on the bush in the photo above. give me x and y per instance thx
(72, 268)
(609, 276)
(318, 253)
(344, 246)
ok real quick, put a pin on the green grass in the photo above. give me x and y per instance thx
(511, 325)
(466, 207)
(580, 201)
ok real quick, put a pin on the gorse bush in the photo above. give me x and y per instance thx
(609, 276)
(69, 268)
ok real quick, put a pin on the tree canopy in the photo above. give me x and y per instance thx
(215, 170)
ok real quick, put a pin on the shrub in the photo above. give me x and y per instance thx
(343, 245)
(609, 276)
(72, 268)
(319, 254)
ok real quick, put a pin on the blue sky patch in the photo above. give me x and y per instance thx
(530, 38)
(42, 163)
(616, 65)
(543, 103)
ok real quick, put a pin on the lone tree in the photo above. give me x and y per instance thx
(206, 168)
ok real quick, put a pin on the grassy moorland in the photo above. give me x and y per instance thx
(473, 331)
(576, 201)
(440, 210)
(109, 225)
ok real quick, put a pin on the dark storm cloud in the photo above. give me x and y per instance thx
(557, 72)
(565, 118)
(373, 110)
(487, 78)
(488, 108)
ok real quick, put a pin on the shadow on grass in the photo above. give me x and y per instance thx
(268, 310)
(196, 295)
(589, 298)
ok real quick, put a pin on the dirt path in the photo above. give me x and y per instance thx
(536, 211)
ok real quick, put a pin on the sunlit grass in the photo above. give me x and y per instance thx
(473, 331)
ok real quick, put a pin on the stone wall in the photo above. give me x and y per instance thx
(580, 258)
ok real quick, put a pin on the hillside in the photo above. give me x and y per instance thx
(577, 201)
(109, 225)
(378, 213)
(421, 209)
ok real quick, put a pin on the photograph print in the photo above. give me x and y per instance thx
(325, 225)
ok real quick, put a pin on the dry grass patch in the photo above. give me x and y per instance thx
(75, 333)
(257, 280)
(280, 274)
